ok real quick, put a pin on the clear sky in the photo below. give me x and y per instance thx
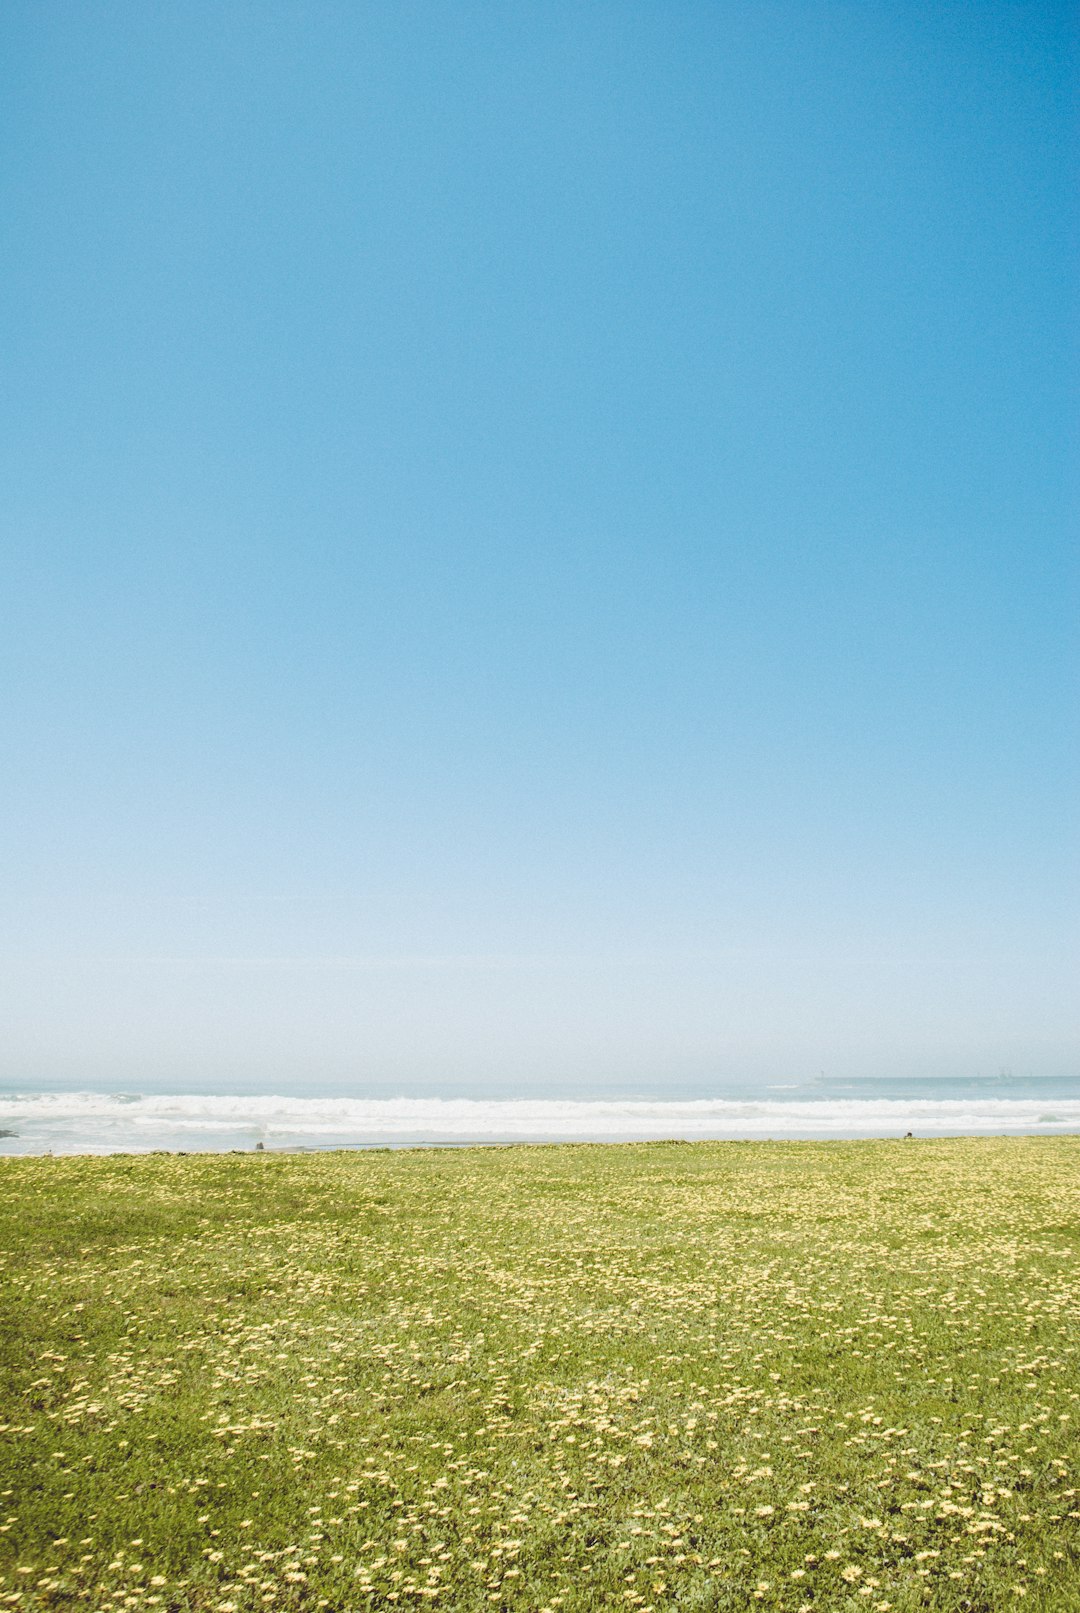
(536, 542)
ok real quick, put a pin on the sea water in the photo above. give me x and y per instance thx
(69, 1122)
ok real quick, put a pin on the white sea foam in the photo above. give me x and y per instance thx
(86, 1122)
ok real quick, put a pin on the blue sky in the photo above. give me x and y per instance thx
(537, 543)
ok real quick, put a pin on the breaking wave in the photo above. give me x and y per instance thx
(95, 1123)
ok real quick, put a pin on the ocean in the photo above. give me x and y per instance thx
(69, 1122)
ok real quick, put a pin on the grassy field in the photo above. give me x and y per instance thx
(779, 1375)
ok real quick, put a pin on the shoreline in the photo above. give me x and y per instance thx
(484, 1144)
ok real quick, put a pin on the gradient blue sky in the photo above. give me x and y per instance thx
(537, 546)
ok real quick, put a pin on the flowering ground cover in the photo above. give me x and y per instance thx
(780, 1375)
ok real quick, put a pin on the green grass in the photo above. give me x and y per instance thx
(779, 1375)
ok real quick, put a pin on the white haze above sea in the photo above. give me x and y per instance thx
(98, 1123)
